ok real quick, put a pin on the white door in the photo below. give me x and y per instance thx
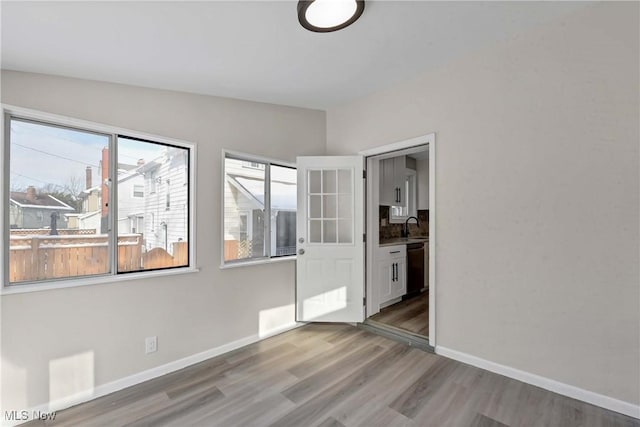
(330, 247)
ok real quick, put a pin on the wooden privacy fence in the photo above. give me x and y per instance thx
(159, 258)
(237, 249)
(46, 231)
(42, 257)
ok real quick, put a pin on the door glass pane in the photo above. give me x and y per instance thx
(315, 182)
(329, 208)
(244, 190)
(58, 215)
(315, 231)
(344, 206)
(163, 242)
(344, 180)
(329, 181)
(345, 233)
(329, 231)
(315, 206)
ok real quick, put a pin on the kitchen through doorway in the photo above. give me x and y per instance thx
(399, 287)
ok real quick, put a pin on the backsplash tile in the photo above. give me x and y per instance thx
(391, 231)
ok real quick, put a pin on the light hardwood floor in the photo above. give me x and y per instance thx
(334, 375)
(411, 315)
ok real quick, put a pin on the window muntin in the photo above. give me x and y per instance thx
(259, 209)
(78, 175)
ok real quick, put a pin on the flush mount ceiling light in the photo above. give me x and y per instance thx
(323, 16)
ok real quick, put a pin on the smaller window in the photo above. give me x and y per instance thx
(259, 209)
(402, 212)
(138, 191)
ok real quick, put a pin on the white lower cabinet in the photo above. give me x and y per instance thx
(392, 272)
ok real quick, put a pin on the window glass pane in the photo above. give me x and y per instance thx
(283, 210)
(329, 231)
(153, 205)
(344, 181)
(315, 182)
(244, 196)
(315, 206)
(345, 234)
(315, 231)
(329, 206)
(344, 206)
(329, 181)
(57, 215)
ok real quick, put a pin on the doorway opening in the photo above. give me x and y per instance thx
(400, 259)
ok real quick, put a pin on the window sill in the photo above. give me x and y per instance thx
(261, 261)
(97, 280)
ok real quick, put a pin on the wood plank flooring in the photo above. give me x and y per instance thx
(411, 315)
(334, 375)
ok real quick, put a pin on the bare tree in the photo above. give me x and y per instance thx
(68, 193)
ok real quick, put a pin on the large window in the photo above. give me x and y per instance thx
(76, 210)
(259, 209)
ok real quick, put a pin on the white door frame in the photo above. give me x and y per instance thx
(372, 219)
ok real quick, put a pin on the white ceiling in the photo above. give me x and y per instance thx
(255, 50)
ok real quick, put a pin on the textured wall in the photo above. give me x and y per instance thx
(537, 195)
(98, 331)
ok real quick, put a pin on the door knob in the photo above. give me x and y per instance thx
(300, 251)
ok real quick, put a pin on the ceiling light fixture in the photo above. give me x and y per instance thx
(324, 16)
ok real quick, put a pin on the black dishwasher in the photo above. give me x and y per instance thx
(415, 269)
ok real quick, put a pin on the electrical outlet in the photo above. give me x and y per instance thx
(150, 345)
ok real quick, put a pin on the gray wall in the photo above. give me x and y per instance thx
(537, 196)
(97, 332)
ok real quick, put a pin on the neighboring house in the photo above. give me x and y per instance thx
(130, 203)
(89, 216)
(166, 197)
(244, 209)
(32, 210)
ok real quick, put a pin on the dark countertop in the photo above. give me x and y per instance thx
(402, 241)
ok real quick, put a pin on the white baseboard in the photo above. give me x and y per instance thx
(591, 397)
(108, 388)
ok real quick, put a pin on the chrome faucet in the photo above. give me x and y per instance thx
(405, 229)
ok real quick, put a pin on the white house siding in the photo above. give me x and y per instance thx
(129, 206)
(170, 178)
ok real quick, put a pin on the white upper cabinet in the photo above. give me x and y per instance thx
(393, 177)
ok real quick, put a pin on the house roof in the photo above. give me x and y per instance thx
(43, 201)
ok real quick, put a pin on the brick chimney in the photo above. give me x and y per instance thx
(88, 178)
(31, 193)
(140, 162)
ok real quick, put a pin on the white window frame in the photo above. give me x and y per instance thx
(268, 257)
(10, 111)
(133, 191)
